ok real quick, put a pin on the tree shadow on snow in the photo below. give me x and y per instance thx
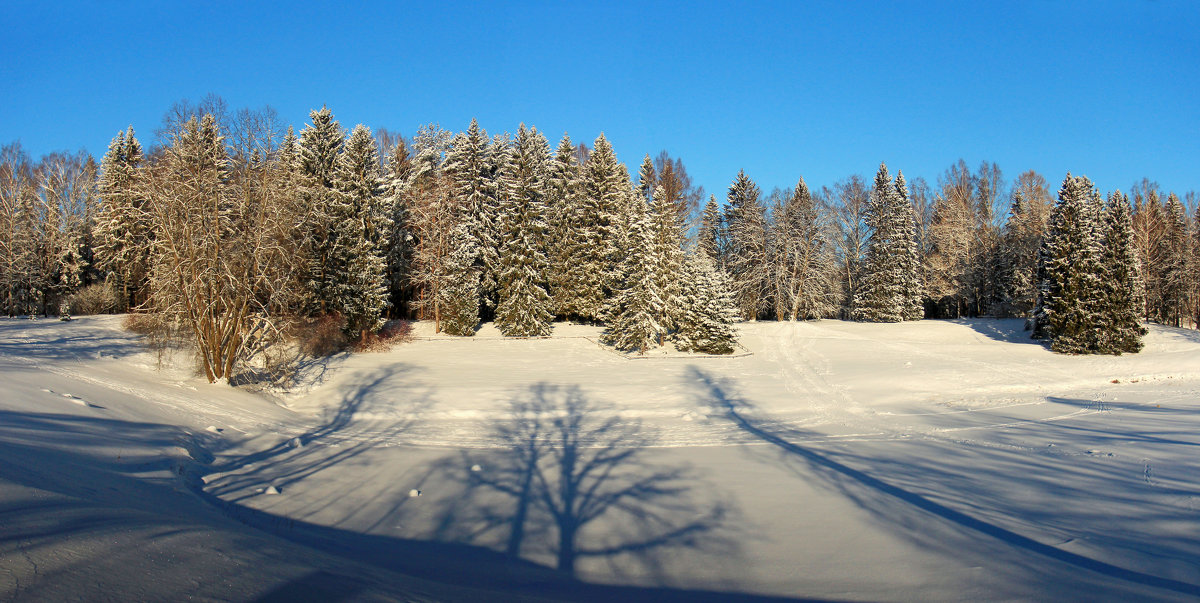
(574, 481)
(51, 339)
(332, 443)
(1003, 330)
(912, 516)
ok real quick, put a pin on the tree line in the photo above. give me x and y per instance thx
(233, 224)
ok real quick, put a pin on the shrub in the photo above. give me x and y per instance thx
(98, 298)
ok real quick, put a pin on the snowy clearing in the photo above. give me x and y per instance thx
(929, 460)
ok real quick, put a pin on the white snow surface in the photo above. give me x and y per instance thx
(929, 460)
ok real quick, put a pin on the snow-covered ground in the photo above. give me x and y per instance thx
(934, 460)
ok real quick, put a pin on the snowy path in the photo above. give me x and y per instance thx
(932, 460)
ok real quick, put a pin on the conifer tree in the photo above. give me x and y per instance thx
(604, 195)
(472, 191)
(524, 306)
(883, 294)
(912, 290)
(1121, 331)
(122, 228)
(708, 311)
(320, 145)
(460, 297)
(1070, 295)
(567, 223)
(710, 236)
(745, 217)
(635, 310)
(647, 180)
(361, 222)
(402, 237)
(666, 241)
(1174, 266)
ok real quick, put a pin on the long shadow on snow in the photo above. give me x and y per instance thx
(720, 397)
(1004, 330)
(325, 446)
(50, 339)
(572, 481)
(100, 492)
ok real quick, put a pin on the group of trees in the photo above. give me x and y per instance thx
(231, 222)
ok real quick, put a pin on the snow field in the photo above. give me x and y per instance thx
(928, 460)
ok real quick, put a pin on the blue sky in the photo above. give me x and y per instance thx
(819, 89)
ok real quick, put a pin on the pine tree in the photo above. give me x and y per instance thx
(1122, 281)
(1070, 295)
(361, 222)
(708, 311)
(122, 228)
(403, 235)
(524, 306)
(745, 217)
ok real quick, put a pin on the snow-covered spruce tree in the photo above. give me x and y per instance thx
(881, 296)
(706, 322)
(647, 179)
(566, 234)
(905, 217)
(746, 219)
(1122, 281)
(1070, 308)
(1175, 278)
(402, 237)
(524, 307)
(470, 179)
(1194, 271)
(710, 238)
(320, 144)
(599, 230)
(460, 297)
(667, 236)
(361, 222)
(634, 311)
(122, 228)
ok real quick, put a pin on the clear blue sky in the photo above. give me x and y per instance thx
(819, 89)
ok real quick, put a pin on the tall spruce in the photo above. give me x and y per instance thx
(1174, 267)
(1070, 306)
(635, 311)
(566, 225)
(710, 238)
(886, 270)
(360, 224)
(604, 193)
(524, 306)
(1123, 290)
(122, 227)
(905, 222)
(320, 145)
(746, 219)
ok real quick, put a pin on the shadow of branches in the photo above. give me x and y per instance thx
(880, 495)
(573, 481)
(330, 444)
